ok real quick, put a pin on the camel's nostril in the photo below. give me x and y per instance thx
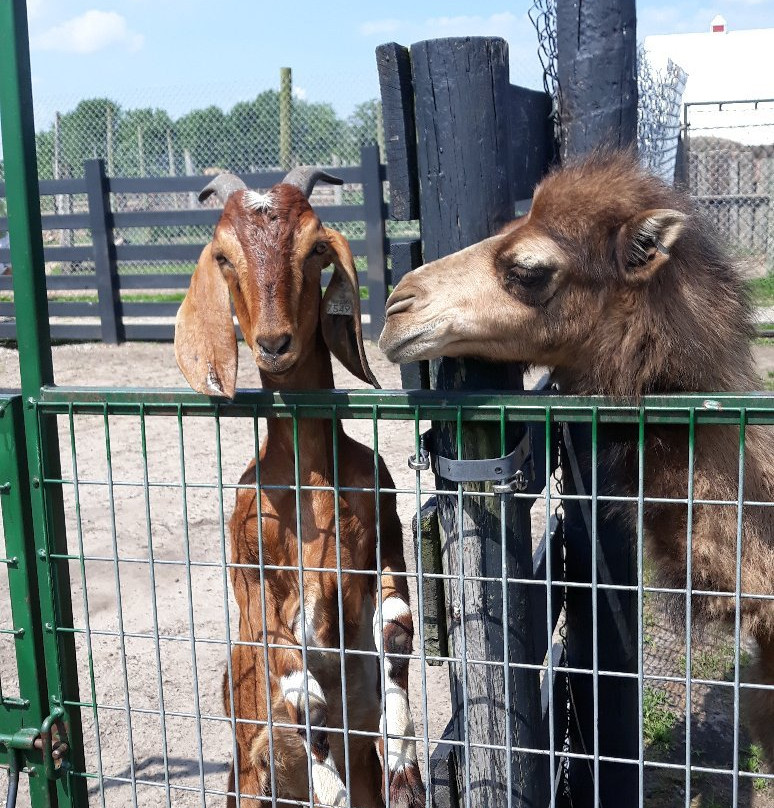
(275, 346)
(401, 304)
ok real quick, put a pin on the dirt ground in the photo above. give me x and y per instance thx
(135, 678)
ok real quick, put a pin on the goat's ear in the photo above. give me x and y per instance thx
(644, 242)
(205, 342)
(340, 312)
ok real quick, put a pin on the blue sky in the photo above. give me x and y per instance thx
(182, 53)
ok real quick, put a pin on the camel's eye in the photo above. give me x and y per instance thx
(527, 277)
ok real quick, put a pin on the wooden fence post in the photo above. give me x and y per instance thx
(375, 237)
(101, 218)
(400, 143)
(286, 118)
(461, 99)
(407, 255)
(597, 69)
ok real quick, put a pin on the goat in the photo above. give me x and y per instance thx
(613, 282)
(267, 254)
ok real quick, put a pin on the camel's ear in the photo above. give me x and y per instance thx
(644, 242)
(205, 342)
(340, 312)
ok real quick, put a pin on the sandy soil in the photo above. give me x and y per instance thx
(180, 678)
(120, 598)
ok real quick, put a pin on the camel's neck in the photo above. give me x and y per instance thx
(655, 343)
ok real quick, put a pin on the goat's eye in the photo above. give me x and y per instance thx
(320, 247)
(223, 262)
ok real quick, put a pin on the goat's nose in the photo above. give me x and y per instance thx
(276, 346)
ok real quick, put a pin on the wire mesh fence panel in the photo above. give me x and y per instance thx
(169, 601)
(730, 172)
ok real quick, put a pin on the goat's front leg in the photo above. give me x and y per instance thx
(302, 692)
(394, 631)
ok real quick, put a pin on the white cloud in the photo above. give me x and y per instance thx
(90, 32)
(299, 93)
(501, 24)
(473, 25)
(372, 27)
(516, 29)
(34, 9)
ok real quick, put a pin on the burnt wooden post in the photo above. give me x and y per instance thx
(375, 237)
(457, 121)
(105, 266)
(597, 69)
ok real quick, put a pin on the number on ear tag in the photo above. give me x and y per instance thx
(339, 307)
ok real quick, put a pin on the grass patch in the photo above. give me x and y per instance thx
(151, 297)
(768, 381)
(658, 719)
(715, 663)
(762, 290)
(752, 762)
(91, 297)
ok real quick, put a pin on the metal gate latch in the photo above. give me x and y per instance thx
(510, 473)
(53, 748)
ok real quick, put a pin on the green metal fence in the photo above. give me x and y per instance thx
(137, 553)
(120, 613)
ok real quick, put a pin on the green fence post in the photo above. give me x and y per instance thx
(30, 708)
(33, 336)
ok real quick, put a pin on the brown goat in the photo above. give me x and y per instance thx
(614, 283)
(267, 254)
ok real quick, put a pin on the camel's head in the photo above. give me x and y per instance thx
(597, 233)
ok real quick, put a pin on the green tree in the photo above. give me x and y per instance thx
(84, 132)
(317, 133)
(363, 127)
(44, 145)
(254, 133)
(142, 147)
(205, 134)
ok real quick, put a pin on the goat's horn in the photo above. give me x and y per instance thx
(223, 185)
(306, 177)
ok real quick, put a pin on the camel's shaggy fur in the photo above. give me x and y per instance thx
(614, 282)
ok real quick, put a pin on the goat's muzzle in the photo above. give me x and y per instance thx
(272, 347)
(275, 355)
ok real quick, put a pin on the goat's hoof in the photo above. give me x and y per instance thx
(406, 787)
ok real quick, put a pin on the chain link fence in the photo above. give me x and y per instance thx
(179, 131)
(175, 131)
(660, 96)
(729, 170)
(660, 93)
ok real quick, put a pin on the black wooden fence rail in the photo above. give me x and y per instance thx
(108, 283)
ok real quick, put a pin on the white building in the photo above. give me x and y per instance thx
(724, 65)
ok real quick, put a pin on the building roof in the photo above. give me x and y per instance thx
(725, 65)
